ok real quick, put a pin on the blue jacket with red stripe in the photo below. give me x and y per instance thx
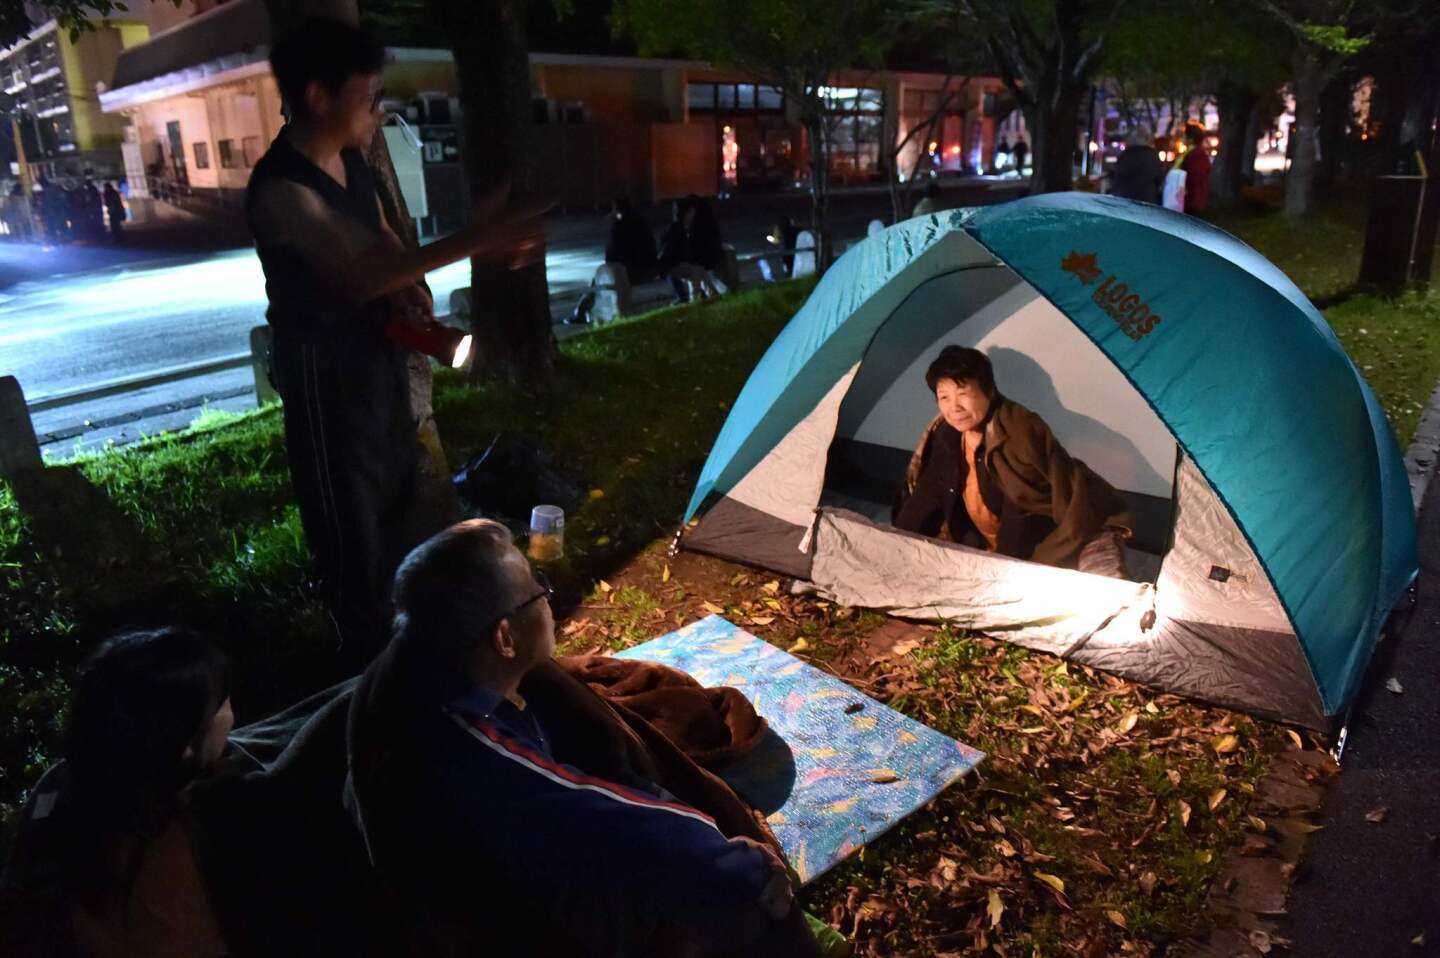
(589, 845)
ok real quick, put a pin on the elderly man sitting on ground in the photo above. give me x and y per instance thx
(989, 473)
(517, 811)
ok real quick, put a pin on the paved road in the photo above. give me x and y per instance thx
(76, 317)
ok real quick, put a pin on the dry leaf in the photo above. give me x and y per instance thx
(1004, 847)
(712, 608)
(1264, 941)
(905, 647)
(1116, 917)
(1184, 813)
(761, 619)
(1205, 856)
(1295, 737)
(1216, 797)
(1174, 776)
(1257, 823)
(1225, 744)
(597, 493)
(1128, 722)
(1303, 827)
(772, 587)
(995, 908)
(665, 574)
(1393, 684)
(884, 777)
(1147, 883)
(1377, 815)
(604, 586)
(1051, 880)
(800, 646)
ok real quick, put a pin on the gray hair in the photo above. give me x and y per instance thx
(448, 588)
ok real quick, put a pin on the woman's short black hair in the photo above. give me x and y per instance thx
(140, 700)
(323, 51)
(960, 363)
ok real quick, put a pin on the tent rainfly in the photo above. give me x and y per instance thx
(1274, 525)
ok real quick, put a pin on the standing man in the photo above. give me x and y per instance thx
(335, 274)
(115, 210)
(1138, 174)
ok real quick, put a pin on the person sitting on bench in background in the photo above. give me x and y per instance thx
(456, 774)
(104, 864)
(989, 473)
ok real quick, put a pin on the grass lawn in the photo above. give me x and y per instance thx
(1095, 825)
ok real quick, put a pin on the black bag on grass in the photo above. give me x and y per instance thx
(512, 476)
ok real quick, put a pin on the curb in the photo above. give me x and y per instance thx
(1420, 458)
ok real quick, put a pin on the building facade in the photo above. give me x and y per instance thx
(65, 132)
(201, 107)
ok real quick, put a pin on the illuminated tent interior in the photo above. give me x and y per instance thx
(1273, 524)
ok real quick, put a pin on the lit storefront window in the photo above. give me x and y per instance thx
(857, 123)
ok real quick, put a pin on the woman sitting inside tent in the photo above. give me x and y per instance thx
(989, 473)
(104, 863)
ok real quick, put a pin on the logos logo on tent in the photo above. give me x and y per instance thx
(1130, 313)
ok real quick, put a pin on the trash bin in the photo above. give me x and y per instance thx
(1394, 257)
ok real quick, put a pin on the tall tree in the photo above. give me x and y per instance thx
(1155, 55)
(796, 44)
(509, 309)
(1048, 53)
(1323, 35)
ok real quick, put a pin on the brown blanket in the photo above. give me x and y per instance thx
(713, 726)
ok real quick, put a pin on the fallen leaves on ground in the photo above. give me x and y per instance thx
(1098, 798)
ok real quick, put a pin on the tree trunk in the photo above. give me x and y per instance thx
(1335, 115)
(1258, 120)
(1236, 103)
(509, 309)
(286, 15)
(1309, 82)
(819, 135)
(1052, 146)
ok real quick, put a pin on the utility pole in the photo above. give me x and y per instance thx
(27, 191)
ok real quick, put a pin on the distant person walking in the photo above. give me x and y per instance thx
(89, 217)
(1138, 173)
(1022, 153)
(1196, 164)
(115, 209)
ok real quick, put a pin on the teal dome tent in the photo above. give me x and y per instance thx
(1274, 524)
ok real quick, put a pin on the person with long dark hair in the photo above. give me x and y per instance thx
(104, 864)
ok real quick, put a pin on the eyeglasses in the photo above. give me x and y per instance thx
(546, 591)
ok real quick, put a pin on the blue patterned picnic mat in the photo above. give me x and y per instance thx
(837, 769)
